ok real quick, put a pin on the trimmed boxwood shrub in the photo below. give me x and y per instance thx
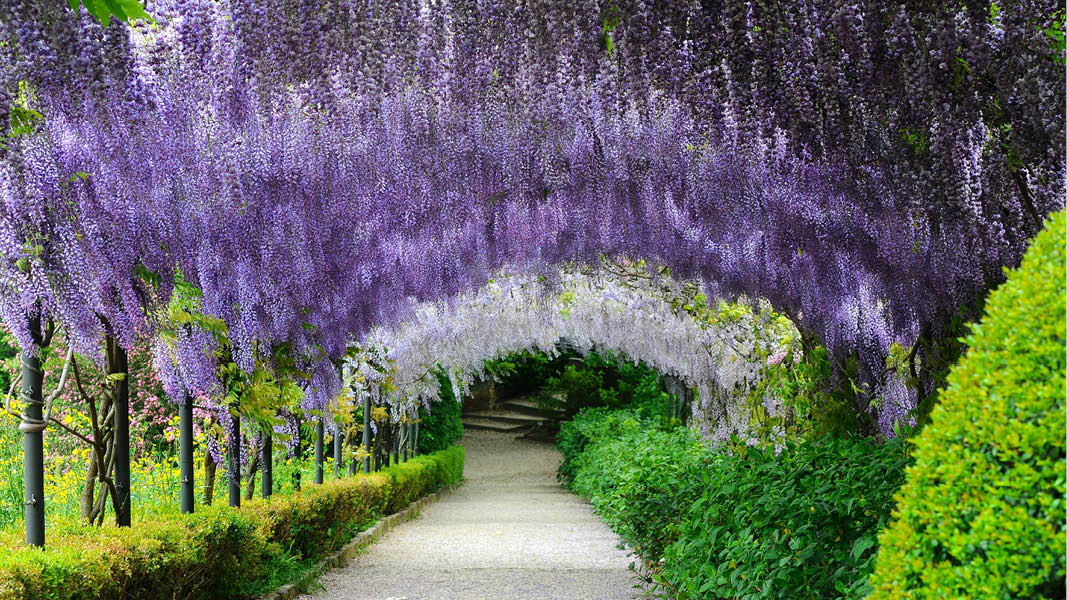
(982, 512)
(218, 552)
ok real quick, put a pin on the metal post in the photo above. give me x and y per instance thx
(353, 467)
(394, 442)
(235, 460)
(686, 405)
(185, 458)
(33, 441)
(118, 364)
(267, 457)
(387, 449)
(338, 452)
(299, 456)
(320, 431)
(366, 432)
(415, 441)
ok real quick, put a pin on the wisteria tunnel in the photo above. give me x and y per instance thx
(289, 237)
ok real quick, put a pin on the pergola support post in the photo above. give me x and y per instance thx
(185, 457)
(267, 458)
(366, 432)
(118, 364)
(320, 432)
(338, 452)
(33, 440)
(235, 460)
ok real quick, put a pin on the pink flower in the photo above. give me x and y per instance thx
(777, 357)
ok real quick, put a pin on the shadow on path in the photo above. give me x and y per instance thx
(510, 532)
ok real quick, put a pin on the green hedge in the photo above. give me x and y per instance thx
(218, 552)
(981, 514)
(442, 425)
(751, 524)
(637, 477)
(799, 524)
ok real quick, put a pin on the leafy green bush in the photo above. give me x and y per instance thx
(800, 524)
(982, 511)
(590, 424)
(574, 382)
(442, 425)
(578, 387)
(650, 401)
(637, 477)
(751, 524)
(218, 552)
(526, 371)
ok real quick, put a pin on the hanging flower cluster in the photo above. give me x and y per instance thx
(310, 166)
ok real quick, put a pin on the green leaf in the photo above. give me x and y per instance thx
(123, 10)
(100, 10)
(131, 9)
(24, 121)
(862, 545)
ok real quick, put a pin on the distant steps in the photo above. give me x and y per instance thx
(518, 415)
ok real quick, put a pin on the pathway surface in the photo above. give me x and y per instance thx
(509, 533)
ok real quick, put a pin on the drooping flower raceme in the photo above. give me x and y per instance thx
(310, 166)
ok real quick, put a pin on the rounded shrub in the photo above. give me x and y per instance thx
(981, 513)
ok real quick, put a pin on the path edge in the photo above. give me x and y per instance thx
(341, 557)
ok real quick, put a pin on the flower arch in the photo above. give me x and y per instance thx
(631, 312)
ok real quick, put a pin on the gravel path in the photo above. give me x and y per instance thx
(509, 533)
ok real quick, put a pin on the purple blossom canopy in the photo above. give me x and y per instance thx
(867, 167)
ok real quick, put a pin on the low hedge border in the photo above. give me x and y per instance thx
(342, 557)
(218, 552)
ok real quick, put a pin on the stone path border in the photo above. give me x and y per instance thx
(340, 558)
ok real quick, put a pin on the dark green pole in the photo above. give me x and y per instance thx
(118, 364)
(267, 456)
(299, 457)
(366, 432)
(185, 458)
(338, 452)
(353, 467)
(415, 441)
(32, 428)
(390, 439)
(320, 431)
(235, 460)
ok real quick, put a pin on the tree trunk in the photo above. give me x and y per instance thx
(253, 468)
(209, 478)
(89, 490)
